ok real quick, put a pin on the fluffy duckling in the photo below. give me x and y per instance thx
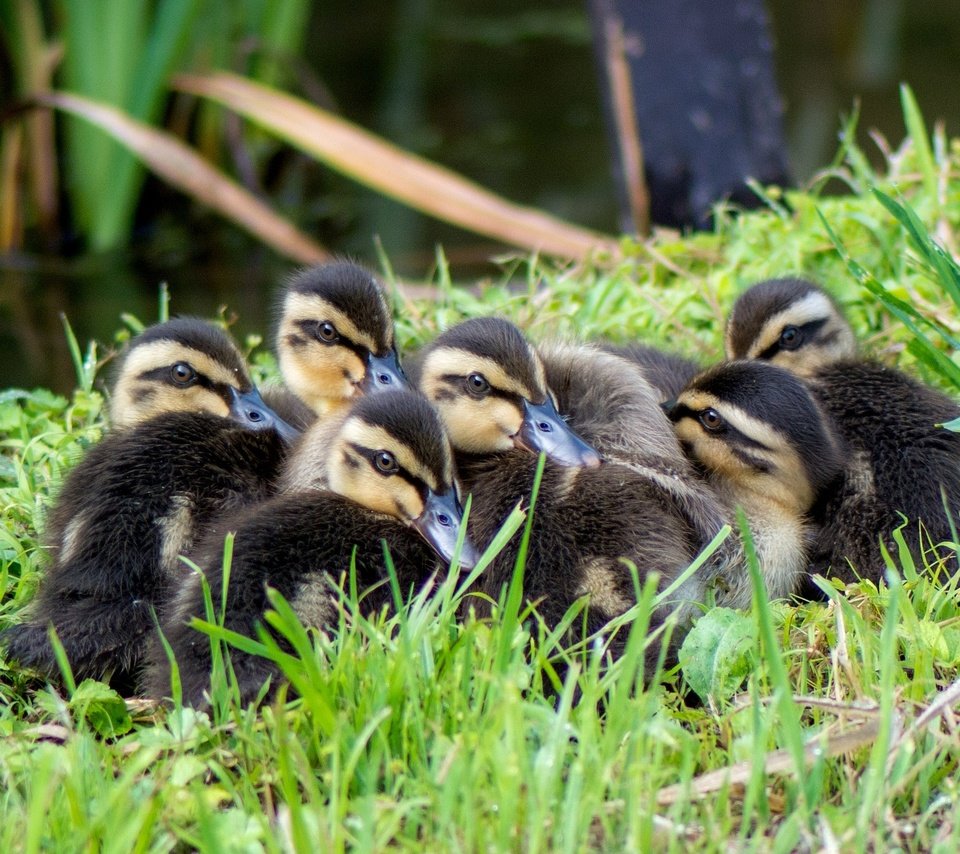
(334, 341)
(765, 446)
(900, 462)
(490, 387)
(482, 376)
(791, 323)
(386, 476)
(190, 438)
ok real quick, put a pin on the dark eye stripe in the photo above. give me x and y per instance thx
(752, 461)
(223, 390)
(457, 381)
(370, 455)
(309, 327)
(807, 330)
(731, 436)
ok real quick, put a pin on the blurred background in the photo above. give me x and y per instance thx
(504, 92)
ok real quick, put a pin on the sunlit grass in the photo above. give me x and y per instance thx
(422, 730)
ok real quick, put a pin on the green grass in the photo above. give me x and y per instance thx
(423, 731)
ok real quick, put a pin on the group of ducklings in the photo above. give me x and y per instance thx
(648, 457)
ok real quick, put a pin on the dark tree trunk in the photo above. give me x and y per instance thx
(691, 104)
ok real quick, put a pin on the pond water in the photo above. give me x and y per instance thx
(502, 91)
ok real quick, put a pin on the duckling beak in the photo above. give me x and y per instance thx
(544, 430)
(384, 372)
(248, 409)
(668, 406)
(439, 524)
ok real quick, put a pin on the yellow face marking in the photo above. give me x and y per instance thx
(311, 307)
(808, 357)
(376, 438)
(324, 376)
(136, 399)
(157, 354)
(484, 426)
(452, 361)
(352, 475)
(786, 481)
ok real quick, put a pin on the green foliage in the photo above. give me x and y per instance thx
(718, 653)
(122, 54)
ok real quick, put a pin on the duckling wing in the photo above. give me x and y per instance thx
(901, 461)
(300, 545)
(132, 506)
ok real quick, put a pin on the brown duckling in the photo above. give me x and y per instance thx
(334, 342)
(901, 462)
(386, 476)
(191, 438)
(765, 446)
(482, 375)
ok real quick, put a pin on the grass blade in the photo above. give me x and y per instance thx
(917, 129)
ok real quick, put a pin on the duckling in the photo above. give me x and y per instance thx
(901, 462)
(334, 342)
(791, 323)
(386, 476)
(482, 375)
(766, 447)
(190, 438)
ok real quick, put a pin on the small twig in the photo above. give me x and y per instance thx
(775, 762)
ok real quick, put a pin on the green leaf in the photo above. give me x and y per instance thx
(101, 707)
(719, 652)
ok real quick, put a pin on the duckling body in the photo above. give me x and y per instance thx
(899, 461)
(388, 478)
(481, 375)
(608, 400)
(586, 523)
(190, 438)
(335, 342)
(762, 441)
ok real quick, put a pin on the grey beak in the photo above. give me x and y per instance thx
(544, 430)
(384, 372)
(439, 525)
(248, 409)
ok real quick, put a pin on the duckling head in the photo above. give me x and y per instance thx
(391, 455)
(188, 365)
(335, 339)
(791, 323)
(757, 429)
(489, 385)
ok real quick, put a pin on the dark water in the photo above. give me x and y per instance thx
(503, 92)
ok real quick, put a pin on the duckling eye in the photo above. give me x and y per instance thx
(327, 332)
(182, 373)
(386, 462)
(711, 419)
(477, 384)
(790, 338)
